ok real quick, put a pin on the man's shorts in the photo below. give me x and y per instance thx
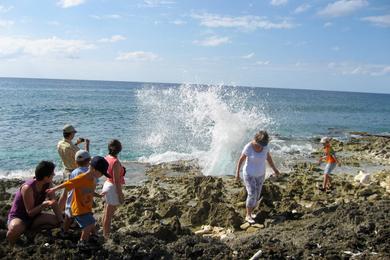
(329, 168)
(85, 220)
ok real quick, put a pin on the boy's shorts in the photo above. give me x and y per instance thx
(329, 168)
(85, 220)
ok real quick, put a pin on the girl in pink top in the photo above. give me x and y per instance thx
(112, 188)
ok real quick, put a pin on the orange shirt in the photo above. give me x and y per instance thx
(329, 153)
(84, 187)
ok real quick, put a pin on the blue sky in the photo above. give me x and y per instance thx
(330, 45)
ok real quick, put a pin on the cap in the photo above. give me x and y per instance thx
(100, 164)
(325, 140)
(82, 155)
(69, 129)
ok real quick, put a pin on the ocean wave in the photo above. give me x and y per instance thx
(210, 123)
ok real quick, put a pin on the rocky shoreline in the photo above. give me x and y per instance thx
(181, 214)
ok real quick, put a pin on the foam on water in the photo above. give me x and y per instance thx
(24, 174)
(209, 123)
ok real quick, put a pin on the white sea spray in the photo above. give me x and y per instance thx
(208, 123)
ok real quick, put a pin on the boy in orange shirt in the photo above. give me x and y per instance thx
(84, 188)
(331, 161)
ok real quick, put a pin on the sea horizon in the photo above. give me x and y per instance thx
(199, 84)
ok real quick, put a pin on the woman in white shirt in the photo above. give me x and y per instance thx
(255, 153)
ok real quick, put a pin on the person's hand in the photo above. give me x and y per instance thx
(50, 191)
(121, 198)
(276, 172)
(48, 203)
(338, 164)
(237, 177)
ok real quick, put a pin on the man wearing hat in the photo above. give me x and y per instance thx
(67, 150)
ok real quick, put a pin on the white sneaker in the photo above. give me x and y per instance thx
(250, 220)
(253, 215)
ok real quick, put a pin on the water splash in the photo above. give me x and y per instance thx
(208, 123)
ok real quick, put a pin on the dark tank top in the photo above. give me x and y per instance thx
(18, 210)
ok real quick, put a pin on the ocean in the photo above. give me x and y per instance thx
(166, 122)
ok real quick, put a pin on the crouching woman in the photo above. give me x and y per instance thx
(29, 203)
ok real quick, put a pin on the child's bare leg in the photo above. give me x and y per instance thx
(329, 182)
(108, 213)
(62, 200)
(67, 223)
(324, 182)
(86, 232)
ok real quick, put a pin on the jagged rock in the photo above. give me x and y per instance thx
(245, 226)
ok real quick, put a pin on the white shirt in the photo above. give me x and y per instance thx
(255, 161)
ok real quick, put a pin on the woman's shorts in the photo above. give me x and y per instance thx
(111, 195)
(85, 220)
(329, 168)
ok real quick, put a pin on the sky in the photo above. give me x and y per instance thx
(329, 45)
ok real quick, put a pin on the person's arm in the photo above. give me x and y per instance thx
(99, 195)
(240, 161)
(86, 145)
(56, 208)
(271, 163)
(117, 180)
(28, 199)
(335, 158)
(68, 185)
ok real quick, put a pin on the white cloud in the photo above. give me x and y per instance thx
(335, 48)
(53, 23)
(354, 69)
(137, 56)
(302, 8)
(114, 38)
(278, 2)
(382, 21)
(342, 7)
(12, 46)
(249, 56)
(156, 3)
(69, 3)
(106, 17)
(296, 44)
(267, 62)
(384, 71)
(179, 22)
(213, 41)
(241, 22)
(328, 24)
(5, 9)
(6, 23)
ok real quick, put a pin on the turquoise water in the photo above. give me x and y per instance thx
(163, 122)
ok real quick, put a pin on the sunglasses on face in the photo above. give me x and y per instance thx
(263, 143)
